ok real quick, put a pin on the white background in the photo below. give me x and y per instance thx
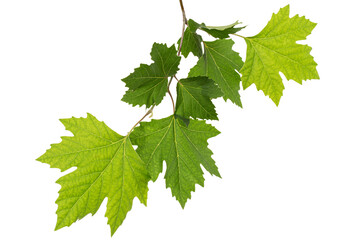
(289, 172)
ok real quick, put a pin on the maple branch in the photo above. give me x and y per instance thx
(146, 114)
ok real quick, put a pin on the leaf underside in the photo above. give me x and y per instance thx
(220, 32)
(192, 41)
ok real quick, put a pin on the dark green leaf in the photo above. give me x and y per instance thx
(148, 83)
(221, 64)
(191, 43)
(194, 98)
(183, 148)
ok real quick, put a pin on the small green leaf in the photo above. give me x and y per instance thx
(275, 50)
(194, 98)
(148, 83)
(191, 43)
(220, 32)
(183, 148)
(107, 166)
(221, 64)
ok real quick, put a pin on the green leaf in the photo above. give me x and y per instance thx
(221, 64)
(107, 166)
(275, 50)
(194, 98)
(148, 83)
(220, 32)
(183, 148)
(191, 42)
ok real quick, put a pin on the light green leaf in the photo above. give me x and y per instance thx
(194, 98)
(107, 166)
(220, 32)
(275, 50)
(192, 41)
(148, 83)
(183, 148)
(221, 64)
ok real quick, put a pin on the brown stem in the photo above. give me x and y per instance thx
(177, 79)
(183, 27)
(146, 114)
(238, 35)
(171, 97)
(183, 11)
(179, 50)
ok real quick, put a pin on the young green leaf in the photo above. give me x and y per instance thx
(220, 32)
(194, 98)
(221, 64)
(148, 83)
(183, 148)
(275, 50)
(107, 166)
(192, 41)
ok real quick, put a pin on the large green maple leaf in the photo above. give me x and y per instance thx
(107, 166)
(221, 64)
(183, 148)
(148, 83)
(275, 50)
(194, 98)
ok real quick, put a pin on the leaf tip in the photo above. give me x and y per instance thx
(58, 226)
(89, 115)
(276, 101)
(182, 204)
(63, 121)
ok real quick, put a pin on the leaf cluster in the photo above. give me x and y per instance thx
(107, 166)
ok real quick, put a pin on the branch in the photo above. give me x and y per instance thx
(183, 11)
(183, 28)
(168, 90)
(146, 114)
(179, 50)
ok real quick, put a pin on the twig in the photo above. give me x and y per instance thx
(179, 50)
(171, 97)
(183, 27)
(146, 114)
(178, 53)
(238, 35)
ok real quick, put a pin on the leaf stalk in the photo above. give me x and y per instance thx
(146, 114)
